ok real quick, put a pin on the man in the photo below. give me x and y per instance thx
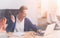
(21, 22)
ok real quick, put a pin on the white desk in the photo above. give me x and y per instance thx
(54, 34)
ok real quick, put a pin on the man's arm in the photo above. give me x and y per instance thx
(32, 26)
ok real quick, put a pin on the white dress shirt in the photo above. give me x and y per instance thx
(19, 26)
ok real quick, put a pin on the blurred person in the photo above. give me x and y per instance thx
(3, 24)
(23, 24)
(52, 18)
(10, 22)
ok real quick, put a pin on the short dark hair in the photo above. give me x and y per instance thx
(22, 8)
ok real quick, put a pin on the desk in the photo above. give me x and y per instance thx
(54, 34)
(31, 34)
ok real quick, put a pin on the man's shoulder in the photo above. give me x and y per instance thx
(27, 19)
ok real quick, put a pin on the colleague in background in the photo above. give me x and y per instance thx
(3, 24)
(10, 22)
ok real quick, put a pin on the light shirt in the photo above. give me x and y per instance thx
(19, 26)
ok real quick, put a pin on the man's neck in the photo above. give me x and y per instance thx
(20, 19)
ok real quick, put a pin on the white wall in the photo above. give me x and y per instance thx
(52, 11)
(58, 10)
(10, 4)
(44, 6)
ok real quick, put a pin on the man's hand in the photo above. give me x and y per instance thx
(12, 18)
(39, 31)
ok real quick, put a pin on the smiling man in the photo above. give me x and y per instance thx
(22, 23)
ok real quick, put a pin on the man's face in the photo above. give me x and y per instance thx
(22, 15)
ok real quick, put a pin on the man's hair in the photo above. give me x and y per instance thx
(22, 8)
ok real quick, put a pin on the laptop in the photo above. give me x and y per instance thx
(48, 30)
